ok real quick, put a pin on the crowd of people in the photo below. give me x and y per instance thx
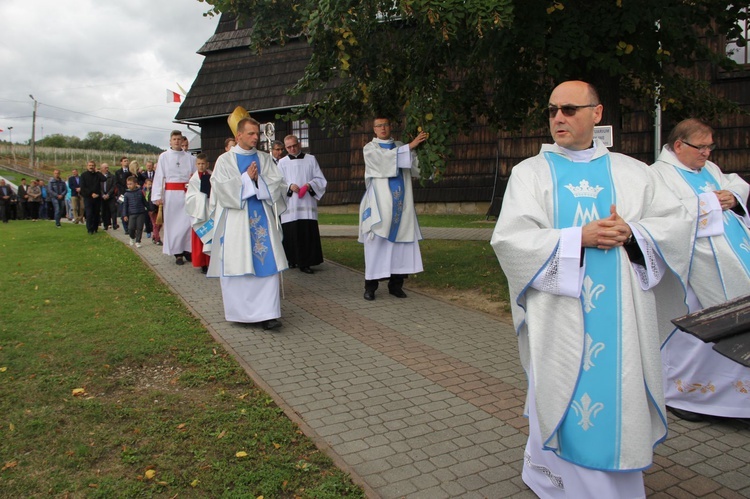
(600, 251)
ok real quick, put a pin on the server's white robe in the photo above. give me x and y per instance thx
(247, 298)
(384, 258)
(173, 167)
(301, 171)
(535, 255)
(697, 378)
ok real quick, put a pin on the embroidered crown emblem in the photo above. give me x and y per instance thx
(584, 190)
(708, 187)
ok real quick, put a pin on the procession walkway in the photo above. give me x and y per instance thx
(420, 398)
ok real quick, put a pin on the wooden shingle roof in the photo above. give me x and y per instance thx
(233, 76)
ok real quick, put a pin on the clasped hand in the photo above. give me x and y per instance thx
(606, 233)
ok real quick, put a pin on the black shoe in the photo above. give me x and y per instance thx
(271, 324)
(179, 260)
(693, 417)
(306, 270)
(204, 269)
(369, 295)
(188, 256)
(398, 293)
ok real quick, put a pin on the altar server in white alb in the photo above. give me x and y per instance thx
(299, 223)
(248, 192)
(173, 172)
(580, 237)
(388, 224)
(698, 380)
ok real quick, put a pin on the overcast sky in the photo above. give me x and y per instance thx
(91, 62)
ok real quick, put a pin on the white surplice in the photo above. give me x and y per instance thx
(542, 264)
(247, 298)
(301, 171)
(173, 167)
(384, 258)
(697, 378)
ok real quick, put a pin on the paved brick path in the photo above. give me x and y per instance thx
(420, 398)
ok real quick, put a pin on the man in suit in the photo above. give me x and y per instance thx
(23, 197)
(76, 200)
(91, 190)
(109, 198)
(5, 194)
(146, 174)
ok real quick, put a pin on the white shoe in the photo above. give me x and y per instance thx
(132, 241)
(137, 245)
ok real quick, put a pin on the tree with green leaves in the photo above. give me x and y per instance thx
(445, 65)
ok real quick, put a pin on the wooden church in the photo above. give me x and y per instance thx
(475, 176)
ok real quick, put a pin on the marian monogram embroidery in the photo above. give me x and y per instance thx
(398, 205)
(585, 190)
(260, 234)
(708, 187)
(592, 350)
(590, 293)
(586, 411)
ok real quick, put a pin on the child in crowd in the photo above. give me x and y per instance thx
(134, 211)
(196, 205)
(152, 210)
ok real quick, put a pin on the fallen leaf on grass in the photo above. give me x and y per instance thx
(77, 392)
(12, 427)
(93, 485)
(3, 369)
(195, 483)
(9, 465)
(181, 426)
(150, 474)
(241, 453)
(243, 396)
(277, 446)
(221, 435)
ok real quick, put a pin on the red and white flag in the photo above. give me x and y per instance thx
(173, 96)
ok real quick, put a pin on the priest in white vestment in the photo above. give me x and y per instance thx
(388, 224)
(698, 380)
(588, 239)
(247, 196)
(173, 171)
(299, 223)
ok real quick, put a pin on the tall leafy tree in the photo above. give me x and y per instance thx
(444, 65)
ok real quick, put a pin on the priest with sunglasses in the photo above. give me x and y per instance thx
(699, 382)
(594, 247)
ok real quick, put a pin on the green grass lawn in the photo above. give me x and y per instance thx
(109, 387)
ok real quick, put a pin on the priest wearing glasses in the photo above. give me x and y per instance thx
(589, 240)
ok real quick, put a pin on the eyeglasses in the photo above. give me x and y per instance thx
(568, 110)
(708, 148)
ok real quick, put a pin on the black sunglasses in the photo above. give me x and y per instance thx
(568, 110)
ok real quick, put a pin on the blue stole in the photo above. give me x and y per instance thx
(590, 433)
(734, 230)
(396, 184)
(264, 262)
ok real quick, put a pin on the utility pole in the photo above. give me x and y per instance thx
(33, 135)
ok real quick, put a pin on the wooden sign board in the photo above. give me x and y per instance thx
(727, 325)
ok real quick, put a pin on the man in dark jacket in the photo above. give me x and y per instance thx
(121, 178)
(56, 193)
(5, 194)
(23, 197)
(109, 197)
(91, 190)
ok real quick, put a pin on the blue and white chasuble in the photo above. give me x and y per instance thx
(590, 433)
(396, 184)
(263, 259)
(734, 232)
